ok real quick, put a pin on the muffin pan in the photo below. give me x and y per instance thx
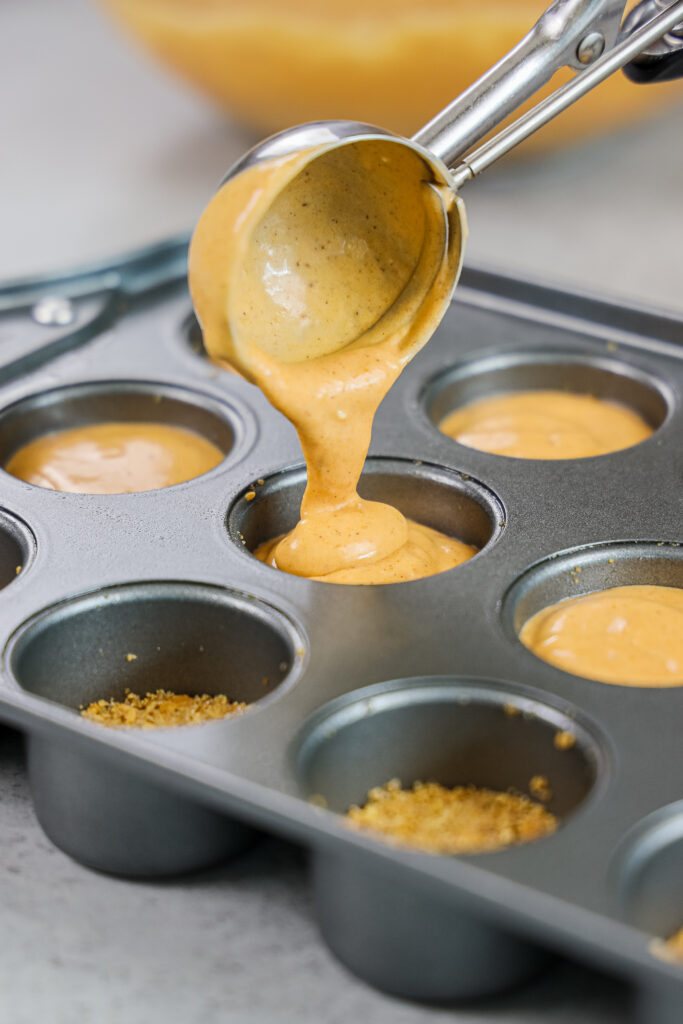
(351, 686)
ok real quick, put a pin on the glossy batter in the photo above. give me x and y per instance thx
(546, 425)
(627, 635)
(424, 553)
(114, 458)
(321, 296)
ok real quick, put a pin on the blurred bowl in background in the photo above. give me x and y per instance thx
(394, 63)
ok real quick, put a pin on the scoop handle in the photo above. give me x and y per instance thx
(570, 33)
(624, 52)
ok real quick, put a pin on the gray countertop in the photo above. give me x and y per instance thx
(101, 153)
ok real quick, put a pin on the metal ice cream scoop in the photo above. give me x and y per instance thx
(586, 35)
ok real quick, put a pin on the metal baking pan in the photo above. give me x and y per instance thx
(352, 686)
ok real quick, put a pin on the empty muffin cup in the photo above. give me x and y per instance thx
(647, 878)
(583, 574)
(545, 405)
(119, 436)
(454, 732)
(17, 545)
(648, 873)
(182, 637)
(430, 495)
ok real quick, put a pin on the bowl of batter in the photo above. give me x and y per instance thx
(273, 63)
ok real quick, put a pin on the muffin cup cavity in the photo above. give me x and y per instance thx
(587, 569)
(607, 379)
(87, 404)
(184, 637)
(17, 546)
(431, 495)
(452, 731)
(647, 873)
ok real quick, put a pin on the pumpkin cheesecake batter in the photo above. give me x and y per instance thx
(319, 280)
(628, 635)
(114, 458)
(546, 425)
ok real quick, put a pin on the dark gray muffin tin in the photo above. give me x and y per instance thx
(352, 686)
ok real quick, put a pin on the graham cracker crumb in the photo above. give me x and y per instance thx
(465, 819)
(161, 708)
(540, 788)
(564, 740)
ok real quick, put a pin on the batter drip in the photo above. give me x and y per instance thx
(285, 286)
(546, 425)
(114, 458)
(628, 635)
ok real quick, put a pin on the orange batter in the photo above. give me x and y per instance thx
(114, 458)
(628, 635)
(289, 264)
(546, 425)
(274, 63)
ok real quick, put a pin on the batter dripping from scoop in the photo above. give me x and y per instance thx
(319, 280)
